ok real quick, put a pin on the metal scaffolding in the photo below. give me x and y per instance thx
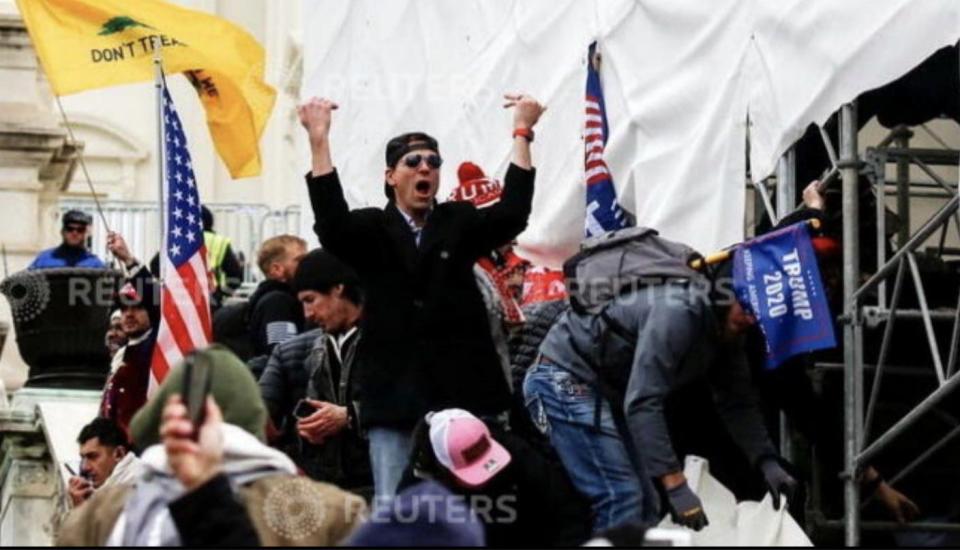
(861, 444)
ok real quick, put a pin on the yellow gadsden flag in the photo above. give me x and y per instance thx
(85, 44)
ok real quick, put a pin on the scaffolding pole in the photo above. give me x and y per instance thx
(913, 243)
(902, 141)
(786, 201)
(853, 365)
(858, 453)
(904, 423)
(786, 183)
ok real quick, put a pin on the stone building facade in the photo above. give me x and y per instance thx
(115, 131)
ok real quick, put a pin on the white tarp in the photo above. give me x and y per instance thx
(679, 78)
(732, 523)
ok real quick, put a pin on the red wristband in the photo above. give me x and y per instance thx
(526, 133)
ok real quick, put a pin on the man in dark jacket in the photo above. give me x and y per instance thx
(139, 304)
(275, 313)
(643, 346)
(314, 371)
(284, 383)
(331, 443)
(426, 339)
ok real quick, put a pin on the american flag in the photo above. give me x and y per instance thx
(185, 297)
(603, 211)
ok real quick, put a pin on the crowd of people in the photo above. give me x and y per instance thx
(393, 388)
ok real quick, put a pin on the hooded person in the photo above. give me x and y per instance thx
(157, 510)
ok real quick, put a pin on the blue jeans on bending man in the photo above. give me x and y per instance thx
(565, 409)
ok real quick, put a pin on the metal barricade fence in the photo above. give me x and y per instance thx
(246, 225)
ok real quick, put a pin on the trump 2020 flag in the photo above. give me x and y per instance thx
(185, 297)
(603, 211)
(777, 280)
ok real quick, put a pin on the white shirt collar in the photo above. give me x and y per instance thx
(417, 230)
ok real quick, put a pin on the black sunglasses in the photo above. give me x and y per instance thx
(75, 228)
(433, 160)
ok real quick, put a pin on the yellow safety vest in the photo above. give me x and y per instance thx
(216, 251)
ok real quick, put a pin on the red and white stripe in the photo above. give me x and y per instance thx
(185, 323)
(595, 166)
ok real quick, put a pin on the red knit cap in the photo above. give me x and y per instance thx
(475, 186)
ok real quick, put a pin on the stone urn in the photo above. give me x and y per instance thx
(61, 317)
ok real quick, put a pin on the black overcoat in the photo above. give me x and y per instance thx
(426, 339)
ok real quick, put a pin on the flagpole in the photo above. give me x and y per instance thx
(161, 161)
(724, 255)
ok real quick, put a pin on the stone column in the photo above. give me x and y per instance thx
(36, 163)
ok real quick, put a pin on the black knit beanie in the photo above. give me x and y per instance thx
(321, 271)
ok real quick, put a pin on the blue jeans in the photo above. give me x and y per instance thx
(389, 455)
(564, 408)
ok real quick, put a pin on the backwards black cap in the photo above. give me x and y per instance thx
(403, 144)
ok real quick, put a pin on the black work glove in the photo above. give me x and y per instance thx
(685, 507)
(778, 481)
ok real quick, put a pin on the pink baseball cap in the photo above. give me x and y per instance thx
(463, 445)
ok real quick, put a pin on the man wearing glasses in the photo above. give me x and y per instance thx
(426, 340)
(72, 252)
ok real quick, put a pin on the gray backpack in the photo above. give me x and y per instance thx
(621, 261)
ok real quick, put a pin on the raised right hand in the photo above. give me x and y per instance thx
(118, 247)
(315, 116)
(812, 197)
(192, 462)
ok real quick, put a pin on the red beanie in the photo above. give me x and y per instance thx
(475, 186)
(469, 171)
